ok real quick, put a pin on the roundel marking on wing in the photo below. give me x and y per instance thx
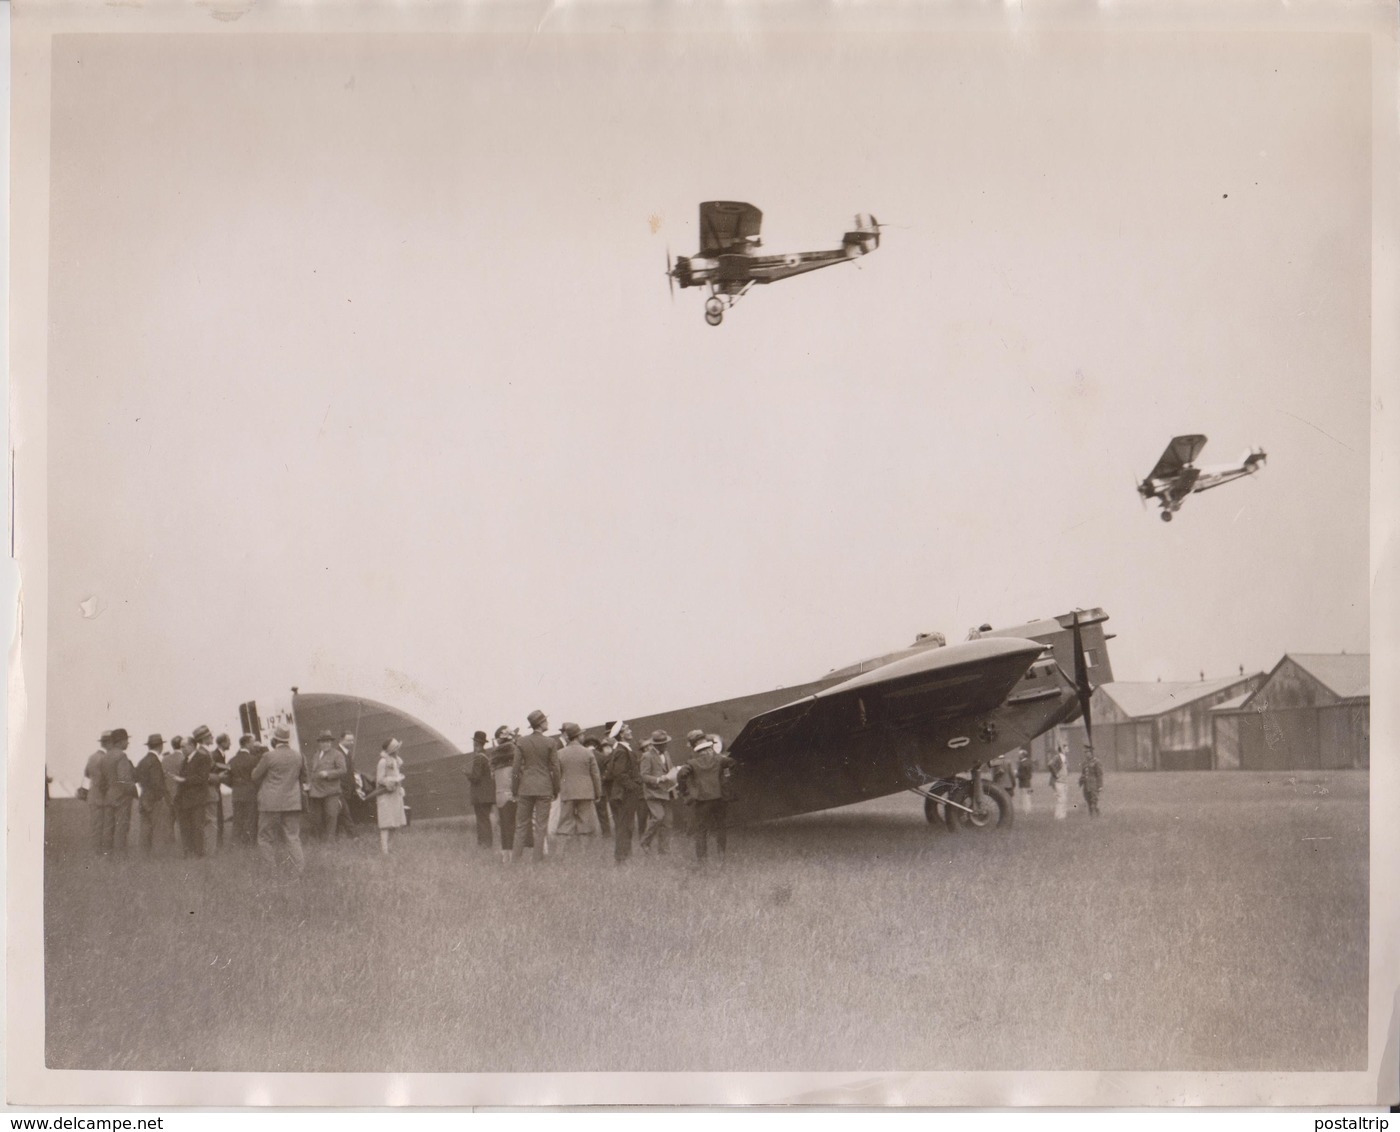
(792, 259)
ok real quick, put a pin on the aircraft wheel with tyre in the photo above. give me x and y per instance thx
(1166, 516)
(934, 812)
(994, 813)
(714, 311)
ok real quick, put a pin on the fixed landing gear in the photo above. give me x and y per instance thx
(714, 311)
(1166, 516)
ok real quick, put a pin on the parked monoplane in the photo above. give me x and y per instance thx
(729, 261)
(1176, 475)
(905, 721)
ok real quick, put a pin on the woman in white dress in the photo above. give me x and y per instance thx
(388, 781)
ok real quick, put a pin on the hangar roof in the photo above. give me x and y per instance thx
(1148, 698)
(1347, 675)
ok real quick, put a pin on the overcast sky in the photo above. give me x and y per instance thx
(364, 376)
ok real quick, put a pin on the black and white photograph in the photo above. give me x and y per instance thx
(702, 555)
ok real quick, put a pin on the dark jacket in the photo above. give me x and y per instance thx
(479, 775)
(1091, 777)
(705, 772)
(623, 773)
(240, 775)
(150, 776)
(194, 791)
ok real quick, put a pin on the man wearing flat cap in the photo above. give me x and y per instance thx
(157, 816)
(657, 792)
(579, 785)
(323, 785)
(483, 789)
(535, 783)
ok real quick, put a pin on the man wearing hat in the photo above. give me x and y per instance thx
(213, 795)
(502, 768)
(91, 794)
(245, 792)
(323, 785)
(579, 785)
(192, 795)
(157, 817)
(704, 773)
(118, 779)
(624, 774)
(347, 784)
(534, 781)
(657, 792)
(277, 777)
(483, 789)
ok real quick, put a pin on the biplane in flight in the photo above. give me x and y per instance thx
(729, 261)
(910, 720)
(1176, 475)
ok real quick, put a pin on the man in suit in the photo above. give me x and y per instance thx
(624, 773)
(192, 795)
(323, 785)
(579, 785)
(221, 759)
(704, 774)
(483, 789)
(157, 817)
(92, 794)
(346, 746)
(118, 793)
(277, 777)
(535, 783)
(657, 793)
(595, 745)
(245, 792)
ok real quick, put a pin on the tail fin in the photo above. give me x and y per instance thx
(864, 238)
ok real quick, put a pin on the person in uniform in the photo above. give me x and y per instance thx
(157, 816)
(624, 775)
(277, 777)
(483, 788)
(1059, 781)
(323, 785)
(90, 793)
(118, 793)
(658, 793)
(192, 796)
(579, 786)
(704, 774)
(245, 792)
(1091, 780)
(388, 781)
(534, 781)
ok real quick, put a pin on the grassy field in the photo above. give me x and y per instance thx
(1204, 922)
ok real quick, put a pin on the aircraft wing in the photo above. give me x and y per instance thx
(726, 225)
(1182, 451)
(945, 683)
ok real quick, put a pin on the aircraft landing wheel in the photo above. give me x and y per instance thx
(934, 812)
(1166, 516)
(995, 812)
(714, 318)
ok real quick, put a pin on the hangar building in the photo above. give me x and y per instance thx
(1312, 712)
(1157, 725)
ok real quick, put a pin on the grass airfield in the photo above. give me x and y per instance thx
(1204, 922)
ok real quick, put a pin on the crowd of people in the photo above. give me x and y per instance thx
(1020, 781)
(536, 786)
(175, 796)
(570, 787)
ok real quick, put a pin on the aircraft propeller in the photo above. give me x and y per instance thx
(670, 276)
(1081, 683)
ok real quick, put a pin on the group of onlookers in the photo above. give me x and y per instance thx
(181, 790)
(571, 786)
(1020, 782)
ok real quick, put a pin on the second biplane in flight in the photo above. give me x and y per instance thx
(729, 261)
(1176, 475)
